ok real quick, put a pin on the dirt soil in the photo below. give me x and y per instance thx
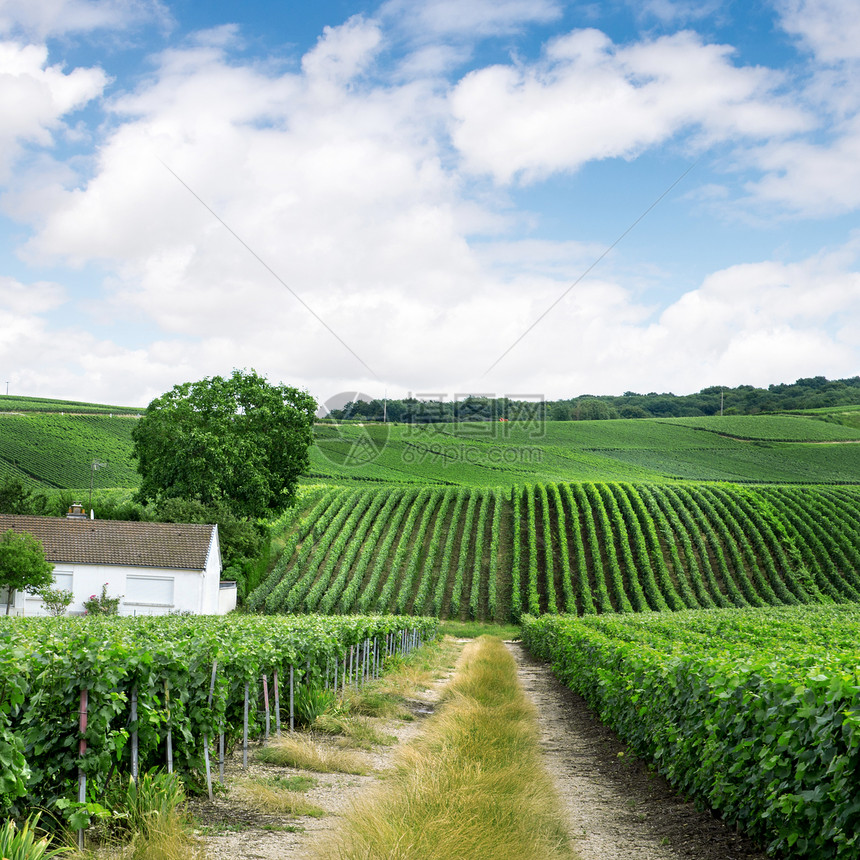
(617, 809)
(229, 830)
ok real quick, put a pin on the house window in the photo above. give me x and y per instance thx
(148, 591)
(63, 579)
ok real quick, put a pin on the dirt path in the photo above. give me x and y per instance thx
(229, 830)
(617, 809)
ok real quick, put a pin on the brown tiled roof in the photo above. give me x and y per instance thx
(70, 541)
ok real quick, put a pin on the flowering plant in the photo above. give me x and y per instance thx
(102, 605)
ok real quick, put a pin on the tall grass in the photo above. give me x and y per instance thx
(25, 843)
(473, 786)
(157, 819)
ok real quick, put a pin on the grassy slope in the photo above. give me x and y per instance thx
(781, 449)
(53, 443)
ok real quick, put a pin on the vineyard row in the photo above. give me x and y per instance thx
(82, 699)
(584, 549)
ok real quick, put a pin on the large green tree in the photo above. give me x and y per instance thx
(238, 440)
(22, 564)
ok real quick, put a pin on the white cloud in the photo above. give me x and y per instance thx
(829, 28)
(816, 179)
(343, 184)
(589, 99)
(471, 19)
(34, 98)
(40, 19)
(343, 52)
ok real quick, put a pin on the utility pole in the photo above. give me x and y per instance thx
(721, 401)
(96, 464)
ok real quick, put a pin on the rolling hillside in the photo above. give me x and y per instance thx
(53, 444)
(490, 520)
(583, 548)
(779, 449)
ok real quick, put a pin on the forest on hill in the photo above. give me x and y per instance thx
(815, 392)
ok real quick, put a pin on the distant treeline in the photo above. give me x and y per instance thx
(815, 392)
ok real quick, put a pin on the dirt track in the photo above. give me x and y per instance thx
(616, 808)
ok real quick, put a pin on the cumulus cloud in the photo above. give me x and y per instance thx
(35, 96)
(342, 181)
(41, 19)
(828, 28)
(589, 99)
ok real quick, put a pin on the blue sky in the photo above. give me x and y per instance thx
(388, 197)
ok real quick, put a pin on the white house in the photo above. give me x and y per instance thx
(156, 567)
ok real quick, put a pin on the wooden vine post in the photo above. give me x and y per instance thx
(245, 725)
(277, 702)
(292, 700)
(266, 704)
(135, 747)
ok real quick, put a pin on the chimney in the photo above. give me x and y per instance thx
(76, 512)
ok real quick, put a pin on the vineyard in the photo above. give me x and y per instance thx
(83, 699)
(747, 449)
(54, 444)
(588, 548)
(752, 712)
(55, 450)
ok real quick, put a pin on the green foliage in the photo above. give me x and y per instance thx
(23, 843)
(17, 499)
(309, 701)
(56, 600)
(614, 547)
(238, 440)
(59, 450)
(752, 712)
(102, 604)
(22, 563)
(46, 662)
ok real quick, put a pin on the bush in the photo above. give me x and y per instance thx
(56, 600)
(102, 604)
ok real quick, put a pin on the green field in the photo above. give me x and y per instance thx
(583, 548)
(57, 451)
(784, 449)
(698, 579)
(53, 444)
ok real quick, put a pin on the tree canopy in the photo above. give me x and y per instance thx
(22, 564)
(238, 440)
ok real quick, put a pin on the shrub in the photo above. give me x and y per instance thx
(56, 600)
(102, 604)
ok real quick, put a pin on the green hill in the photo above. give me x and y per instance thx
(53, 444)
(57, 450)
(581, 547)
(773, 449)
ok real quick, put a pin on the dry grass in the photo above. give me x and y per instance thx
(305, 753)
(355, 731)
(268, 798)
(474, 786)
